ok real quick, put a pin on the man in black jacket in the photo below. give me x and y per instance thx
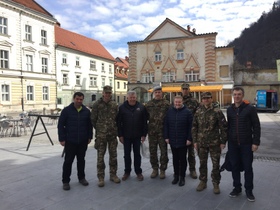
(243, 139)
(74, 133)
(132, 130)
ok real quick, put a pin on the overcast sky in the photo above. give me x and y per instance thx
(116, 22)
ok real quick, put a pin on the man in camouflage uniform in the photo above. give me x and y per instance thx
(209, 136)
(157, 108)
(103, 118)
(192, 104)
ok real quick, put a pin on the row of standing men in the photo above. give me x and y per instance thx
(186, 125)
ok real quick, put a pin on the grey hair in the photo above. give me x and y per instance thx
(131, 92)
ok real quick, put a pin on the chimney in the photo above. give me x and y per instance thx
(194, 30)
(189, 28)
(127, 59)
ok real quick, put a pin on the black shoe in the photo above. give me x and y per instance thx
(235, 192)
(175, 180)
(250, 196)
(84, 182)
(182, 181)
(66, 186)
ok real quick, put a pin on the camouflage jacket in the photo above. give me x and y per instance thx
(191, 103)
(209, 127)
(157, 110)
(103, 117)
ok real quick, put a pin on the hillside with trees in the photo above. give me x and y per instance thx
(260, 43)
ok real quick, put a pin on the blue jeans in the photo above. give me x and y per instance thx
(244, 154)
(135, 144)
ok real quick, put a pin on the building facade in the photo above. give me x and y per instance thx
(171, 55)
(121, 72)
(83, 64)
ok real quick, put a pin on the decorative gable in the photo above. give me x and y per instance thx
(147, 67)
(168, 66)
(6, 44)
(168, 29)
(192, 64)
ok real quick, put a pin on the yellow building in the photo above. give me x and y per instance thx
(171, 55)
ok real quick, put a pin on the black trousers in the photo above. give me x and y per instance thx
(179, 160)
(72, 151)
(135, 144)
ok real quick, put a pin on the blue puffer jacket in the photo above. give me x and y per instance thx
(74, 126)
(177, 126)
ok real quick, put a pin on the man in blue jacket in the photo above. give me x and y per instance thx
(244, 134)
(74, 134)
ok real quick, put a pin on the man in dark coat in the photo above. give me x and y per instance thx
(244, 133)
(74, 133)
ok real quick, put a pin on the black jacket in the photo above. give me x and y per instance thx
(132, 121)
(243, 124)
(177, 126)
(74, 126)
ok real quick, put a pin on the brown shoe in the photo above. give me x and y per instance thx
(101, 183)
(140, 177)
(162, 175)
(154, 174)
(125, 176)
(202, 185)
(193, 174)
(115, 178)
(216, 189)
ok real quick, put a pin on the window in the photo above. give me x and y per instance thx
(91, 81)
(103, 68)
(180, 55)
(77, 61)
(92, 65)
(111, 82)
(45, 93)
(192, 77)
(124, 85)
(64, 58)
(59, 101)
(94, 81)
(157, 56)
(43, 37)
(5, 92)
(148, 77)
(4, 59)
(103, 82)
(168, 77)
(28, 33)
(65, 79)
(118, 85)
(30, 93)
(118, 99)
(110, 69)
(124, 98)
(3, 25)
(224, 71)
(78, 80)
(44, 65)
(29, 63)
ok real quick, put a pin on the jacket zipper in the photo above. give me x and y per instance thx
(237, 121)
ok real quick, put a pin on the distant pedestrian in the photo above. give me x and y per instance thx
(132, 130)
(103, 117)
(177, 133)
(74, 133)
(209, 136)
(157, 109)
(192, 104)
(244, 134)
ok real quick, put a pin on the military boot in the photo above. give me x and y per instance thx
(202, 185)
(101, 183)
(216, 189)
(193, 174)
(115, 178)
(162, 174)
(154, 174)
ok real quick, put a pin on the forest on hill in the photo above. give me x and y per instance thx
(260, 43)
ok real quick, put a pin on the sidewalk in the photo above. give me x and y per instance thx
(32, 180)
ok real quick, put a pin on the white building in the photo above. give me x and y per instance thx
(83, 64)
(27, 57)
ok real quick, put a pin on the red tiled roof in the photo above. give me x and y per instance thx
(81, 43)
(123, 64)
(31, 4)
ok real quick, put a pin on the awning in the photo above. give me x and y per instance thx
(209, 88)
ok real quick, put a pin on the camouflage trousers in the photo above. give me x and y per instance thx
(154, 143)
(101, 146)
(191, 157)
(215, 154)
